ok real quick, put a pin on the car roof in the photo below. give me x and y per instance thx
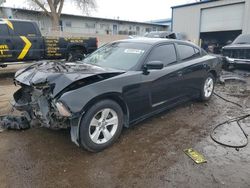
(154, 41)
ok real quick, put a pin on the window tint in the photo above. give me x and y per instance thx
(187, 52)
(165, 53)
(4, 30)
(24, 29)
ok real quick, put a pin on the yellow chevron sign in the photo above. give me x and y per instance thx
(26, 47)
(9, 23)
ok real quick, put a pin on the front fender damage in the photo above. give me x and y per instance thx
(74, 130)
(38, 104)
(39, 107)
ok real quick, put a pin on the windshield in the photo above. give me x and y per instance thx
(120, 55)
(242, 39)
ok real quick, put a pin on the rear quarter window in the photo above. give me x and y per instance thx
(203, 52)
(24, 29)
(196, 51)
(187, 52)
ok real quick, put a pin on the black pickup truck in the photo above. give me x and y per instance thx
(238, 53)
(22, 41)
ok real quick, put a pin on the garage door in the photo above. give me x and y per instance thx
(225, 18)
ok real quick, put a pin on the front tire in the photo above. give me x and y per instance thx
(207, 88)
(101, 126)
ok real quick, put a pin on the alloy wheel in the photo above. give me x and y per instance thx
(103, 126)
(208, 87)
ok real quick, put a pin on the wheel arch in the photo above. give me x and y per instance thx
(116, 97)
(214, 73)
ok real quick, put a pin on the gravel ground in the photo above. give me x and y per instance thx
(149, 154)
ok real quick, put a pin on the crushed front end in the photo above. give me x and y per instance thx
(39, 94)
(42, 89)
(37, 104)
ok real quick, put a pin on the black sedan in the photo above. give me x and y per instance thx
(117, 86)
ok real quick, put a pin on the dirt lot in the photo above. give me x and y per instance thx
(147, 155)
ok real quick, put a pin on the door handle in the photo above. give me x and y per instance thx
(179, 73)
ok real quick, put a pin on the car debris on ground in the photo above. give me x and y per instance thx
(234, 75)
(13, 122)
(197, 157)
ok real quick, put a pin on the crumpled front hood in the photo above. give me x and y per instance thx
(59, 74)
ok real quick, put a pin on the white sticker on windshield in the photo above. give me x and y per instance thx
(133, 51)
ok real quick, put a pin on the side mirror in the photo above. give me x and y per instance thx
(154, 65)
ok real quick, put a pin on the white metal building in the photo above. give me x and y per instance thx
(167, 22)
(83, 24)
(216, 21)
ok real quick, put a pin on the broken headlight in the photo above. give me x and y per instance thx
(62, 109)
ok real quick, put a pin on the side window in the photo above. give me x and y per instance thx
(164, 53)
(187, 52)
(4, 31)
(24, 29)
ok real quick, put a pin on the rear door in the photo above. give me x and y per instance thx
(27, 40)
(193, 69)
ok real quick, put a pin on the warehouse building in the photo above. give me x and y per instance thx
(216, 22)
(75, 24)
(167, 22)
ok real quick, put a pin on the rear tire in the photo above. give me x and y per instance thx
(101, 126)
(207, 88)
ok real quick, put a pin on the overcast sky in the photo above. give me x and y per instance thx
(133, 10)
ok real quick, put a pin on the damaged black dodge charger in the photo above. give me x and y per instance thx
(119, 85)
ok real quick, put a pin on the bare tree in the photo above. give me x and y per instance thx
(53, 8)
